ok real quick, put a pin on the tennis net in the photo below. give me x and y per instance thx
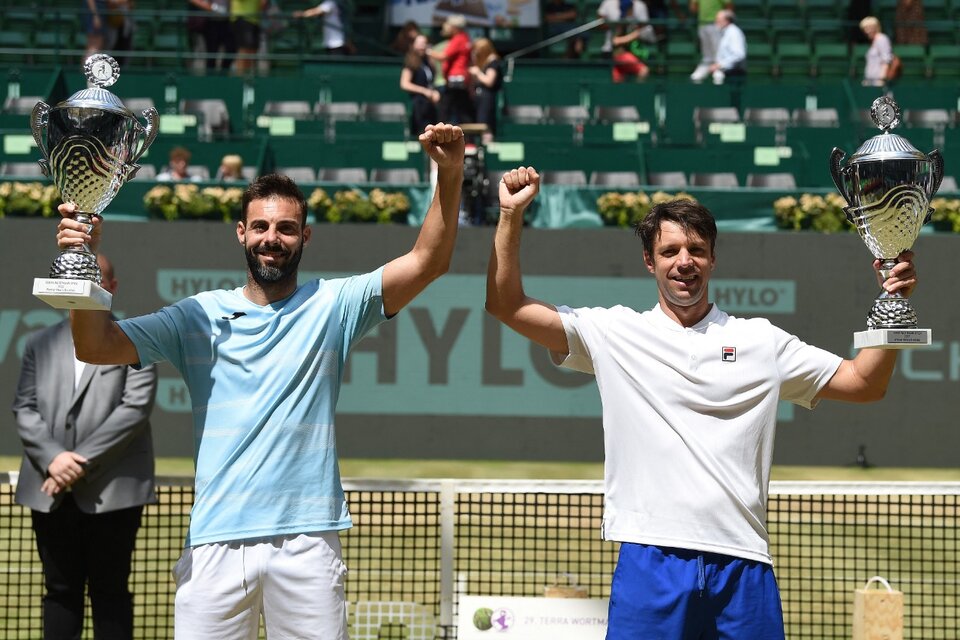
(419, 545)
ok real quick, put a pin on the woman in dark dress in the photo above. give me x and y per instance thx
(416, 78)
(487, 81)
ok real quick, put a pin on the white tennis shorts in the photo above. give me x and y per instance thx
(295, 582)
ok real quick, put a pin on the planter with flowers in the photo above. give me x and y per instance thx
(353, 205)
(186, 201)
(619, 209)
(28, 199)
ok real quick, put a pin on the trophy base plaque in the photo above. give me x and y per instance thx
(891, 338)
(64, 293)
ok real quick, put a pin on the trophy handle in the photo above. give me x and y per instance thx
(149, 133)
(836, 169)
(39, 118)
(937, 159)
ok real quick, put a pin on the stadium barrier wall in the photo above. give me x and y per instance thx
(450, 382)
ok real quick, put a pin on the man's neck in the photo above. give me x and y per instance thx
(686, 316)
(264, 294)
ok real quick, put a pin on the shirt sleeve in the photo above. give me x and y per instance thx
(585, 338)
(804, 369)
(361, 305)
(884, 49)
(157, 336)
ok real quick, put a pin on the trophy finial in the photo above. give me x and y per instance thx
(101, 70)
(885, 113)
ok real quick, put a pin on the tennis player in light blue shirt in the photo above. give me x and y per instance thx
(263, 364)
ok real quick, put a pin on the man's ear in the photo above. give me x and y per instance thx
(241, 231)
(647, 260)
(307, 232)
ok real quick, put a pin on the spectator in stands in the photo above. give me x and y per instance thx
(561, 17)
(857, 10)
(208, 20)
(682, 409)
(456, 107)
(732, 50)
(87, 471)
(626, 43)
(911, 22)
(878, 56)
(118, 33)
(94, 17)
(708, 34)
(404, 39)
(263, 365)
(178, 168)
(231, 169)
(487, 76)
(334, 35)
(245, 20)
(416, 78)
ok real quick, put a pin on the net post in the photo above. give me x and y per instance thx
(447, 497)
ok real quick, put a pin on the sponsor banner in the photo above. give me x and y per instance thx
(485, 617)
(478, 13)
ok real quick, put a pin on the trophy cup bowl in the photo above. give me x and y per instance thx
(888, 185)
(90, 150)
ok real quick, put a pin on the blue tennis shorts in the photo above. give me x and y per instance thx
(661, 593)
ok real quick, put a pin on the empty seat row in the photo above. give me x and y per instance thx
(353, 175)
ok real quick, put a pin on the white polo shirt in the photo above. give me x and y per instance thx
(689, 417)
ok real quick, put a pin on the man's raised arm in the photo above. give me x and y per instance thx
(405, 277)
(96, 337)
(506, 299)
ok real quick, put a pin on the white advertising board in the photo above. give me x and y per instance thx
(495, 617)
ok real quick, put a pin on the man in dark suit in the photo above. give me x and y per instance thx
(87, 471)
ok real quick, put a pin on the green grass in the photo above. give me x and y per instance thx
(497, 469)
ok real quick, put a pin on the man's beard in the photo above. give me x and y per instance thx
(265, 275)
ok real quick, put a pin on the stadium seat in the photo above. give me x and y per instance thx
(567, 114)
(384, 111)
(619, 179)
(21, 169)
(396, 176)
(703, 117)
(720, 179)
(22, 106)
(667, 179)
(772, 180)
(298, 174)
(213, 118)
(146, 172)
(351, 175)
(948, 185)
(199, 172)
(525, 113)
(766, 117)
(139, 105)
(827, 118)
(299, 109)
(577, 178)
(609, 115)
(334, 111)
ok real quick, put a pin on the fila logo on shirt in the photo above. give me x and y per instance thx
(728, 354)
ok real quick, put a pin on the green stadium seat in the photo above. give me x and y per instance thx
(832, 60)
(914, 60)
(795, 59)
(944, 61)
(761, 59)
(682, 57)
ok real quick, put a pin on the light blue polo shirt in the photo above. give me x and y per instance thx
(264, 382)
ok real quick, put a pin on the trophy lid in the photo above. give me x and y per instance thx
(101, 71)
(885, 113)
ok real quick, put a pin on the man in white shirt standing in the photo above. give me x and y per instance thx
(689, 398)
(732, 50)
(334, 38)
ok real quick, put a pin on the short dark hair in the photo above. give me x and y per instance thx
(687, 214)
(274, 185)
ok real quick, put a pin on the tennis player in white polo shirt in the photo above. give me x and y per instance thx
(688, 434)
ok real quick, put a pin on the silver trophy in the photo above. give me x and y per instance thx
(90, 150)
(888, 186)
